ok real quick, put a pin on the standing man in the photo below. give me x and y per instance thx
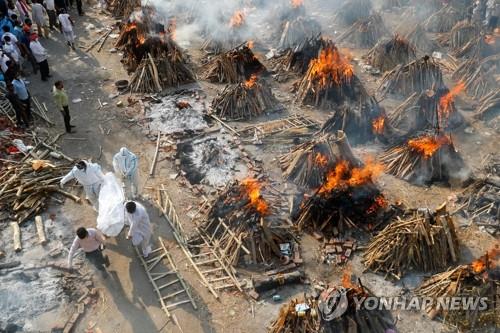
(140, 227)
(125, 164)
(40, 54)
(61, 99)
(67, 28)
(11, 50)
(51, 12)
(91, 241)
(90, 176)
(38, 13)
(21, 116)
(22, 93)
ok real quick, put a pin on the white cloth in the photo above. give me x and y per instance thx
(39, 52)
(12, 51)
(38, 13)
(89, 244)
(111, 218)
(65, 22)
(91, 179)
(3, 62)
(140, 227)
(125, 164)
(13, 37)
(50, 4)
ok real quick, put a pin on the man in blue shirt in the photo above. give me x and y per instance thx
(22, 94)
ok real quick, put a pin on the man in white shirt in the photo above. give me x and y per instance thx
(51, 12)
(11, 50)
(91, 241)
(140, 227)
(38, 13)
(90, 176)
(67, 28)
(40, 54)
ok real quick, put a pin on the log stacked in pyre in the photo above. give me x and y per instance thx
(351, 11)
(418, 37)
(123, 8)
(365, 32)
(236, 65)
(297, 30)
(443, 20)
(417, 76)
(245, 100)
(489, 106)
(461, 34)
(387, 54)
(479, 75)
(297, 316)
(427, 158)
(419, 240)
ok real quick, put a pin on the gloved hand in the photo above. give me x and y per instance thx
(61, 185)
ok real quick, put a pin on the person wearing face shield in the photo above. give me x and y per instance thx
(90, 176)
(125, 164)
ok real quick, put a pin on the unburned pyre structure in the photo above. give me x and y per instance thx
(297, 30)
(418, 37)
(351, 11)
(387, 54)
(443, 20)
(365, 32)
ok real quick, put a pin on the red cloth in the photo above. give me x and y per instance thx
(12, 150)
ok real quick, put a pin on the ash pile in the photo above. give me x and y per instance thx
(182, 112)
(210, 160)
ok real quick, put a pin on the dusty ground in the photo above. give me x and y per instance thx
(127, 302)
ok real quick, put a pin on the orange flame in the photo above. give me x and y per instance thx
(489, 39)
(250, 83)
(342, 175)
(446, 103)
(141, 40)
(378, 125)
(237, 19)
(321, 160)
(297, 3)
(379, 202)
(428, 145)
(489, 260)
(131, 26)
(250, 44)
(252, 190)
(330, 67)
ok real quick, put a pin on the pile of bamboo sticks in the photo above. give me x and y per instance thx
(365, 32)
(387, 54)
(461, 34)
(418, 37)
(123, 8)
(443, 20)
(475, 47)
(245, 101)
(297, 30)
(478, 75)
(297, 317)
(351, 11)
(489, 105)
(420, 240)
(146, 78)
(419, 75)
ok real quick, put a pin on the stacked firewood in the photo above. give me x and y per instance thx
(443, 20)
(387, 54)
(297, 317)
(298, 29)
(123, 8)
(479, 75)
(489, 105)
(28, 184)
(245, 100)
(351, 11)
(477, 47)
(426, 158)
(365, 32)
(232, 66)
(418, 37)
(417, 76)
(419, 240)
(461, 34)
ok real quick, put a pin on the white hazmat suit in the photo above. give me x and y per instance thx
(125, 164)
(91, 178)
(140, 228)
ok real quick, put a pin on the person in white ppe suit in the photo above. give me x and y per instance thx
(90, 176)
(125, 164)
(140, 227)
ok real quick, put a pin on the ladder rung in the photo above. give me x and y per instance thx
(155, 258)
(156, 250)
(201, 254)
(178, 303)
(205, 262)
(168, 284)
(162, 275)
(173, 294)
(212, 270)
(219, 279)
(225, 286)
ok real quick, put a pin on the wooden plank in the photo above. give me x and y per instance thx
(40, 230)
(16, 234)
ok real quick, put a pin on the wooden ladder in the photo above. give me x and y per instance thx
(280, 125)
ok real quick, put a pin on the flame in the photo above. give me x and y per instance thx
(250, 44)
(378, 125)
(342, 175)
(183, 105)
(131, 26)
(251, 82)
(237, 19)
(489, 39)
(428, 145)
(252, 190)
(446, 103)
(321, 160)
(330, 67)
(379, 202)
(297, 3)
(172, 28)
(140, 40)
(486, 261)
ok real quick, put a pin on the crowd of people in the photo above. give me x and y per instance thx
(22, 25)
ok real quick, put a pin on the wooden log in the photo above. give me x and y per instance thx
(268, 283)
(16, 236)
(40, 230)
(153, 164)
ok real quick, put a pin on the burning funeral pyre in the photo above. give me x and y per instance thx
(297, 316)
(443, 20)
(478, 75)
(348, 196)
(427, 110)
(361, 123)
(419, 39)
(236, 65)
(479, 279)
(351, 11)
(291, 10)
(420, 240)
(217, 42)
(387, 54)
(417, 76)
(365, 32)
(308, 163)
(241, 221)
(297, 30)
(245, 100)
(330, 81)
(123, 8)
(427, 158)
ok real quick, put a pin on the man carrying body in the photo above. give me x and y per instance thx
(91, 241)
(140, 227)
(90, 176)
(125, 164)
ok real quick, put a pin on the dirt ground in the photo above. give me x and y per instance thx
(127, 302)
